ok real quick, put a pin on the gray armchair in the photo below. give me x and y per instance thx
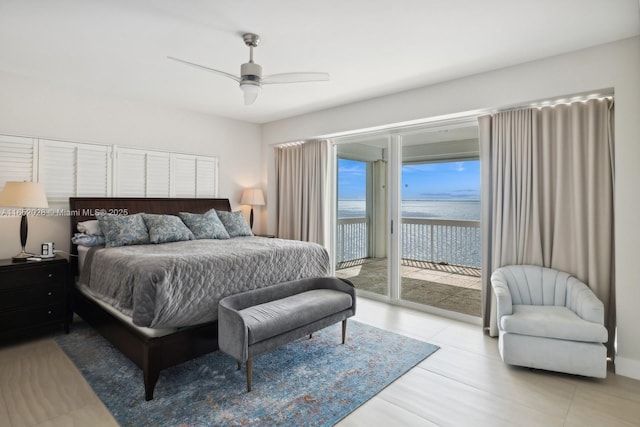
(549, 320)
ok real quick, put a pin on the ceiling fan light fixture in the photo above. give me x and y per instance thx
(250, 90)
(251, 79)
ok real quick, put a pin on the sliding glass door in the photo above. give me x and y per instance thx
(361, 216)
(407, 218)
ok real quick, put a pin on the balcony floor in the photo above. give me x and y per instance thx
(443, 286)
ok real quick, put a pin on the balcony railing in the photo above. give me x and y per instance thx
(447, 241)
(352, 239)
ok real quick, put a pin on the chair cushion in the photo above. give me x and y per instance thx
(552, 322)
(273, 318)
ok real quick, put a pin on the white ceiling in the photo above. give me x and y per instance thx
(370, 47)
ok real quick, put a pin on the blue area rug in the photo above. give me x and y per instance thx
(313, 382)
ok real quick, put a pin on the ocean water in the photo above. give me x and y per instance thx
(468, 210)
(449, 244)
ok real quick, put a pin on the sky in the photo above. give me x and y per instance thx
(458, 180)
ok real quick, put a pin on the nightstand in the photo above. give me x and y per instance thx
(268, 236)
(34, 296)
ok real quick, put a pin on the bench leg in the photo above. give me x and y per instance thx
(239, 365)
(249, 372)
(344, 330)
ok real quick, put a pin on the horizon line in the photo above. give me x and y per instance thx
(418, 200)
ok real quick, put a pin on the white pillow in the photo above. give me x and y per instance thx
(91, 227)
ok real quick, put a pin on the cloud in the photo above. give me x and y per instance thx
(423, 167)
(352, 170)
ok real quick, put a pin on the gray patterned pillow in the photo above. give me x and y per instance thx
(205, 226)
(235, 223)
(82, 239)
(123, 230)
(166, 228)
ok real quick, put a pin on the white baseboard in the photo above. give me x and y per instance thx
(628, 367)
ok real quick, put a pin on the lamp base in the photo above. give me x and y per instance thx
(22, 256)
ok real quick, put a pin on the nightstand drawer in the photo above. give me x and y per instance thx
(33, 296)
(34, 316)
(41, 274)
(30, 296)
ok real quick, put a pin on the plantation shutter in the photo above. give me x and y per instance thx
(68, 169)
(131, 172)
(195, 176)
(185, 176)
(16, 159)
(158, 174)
(143, 173)
(207, 177)
(93, 170)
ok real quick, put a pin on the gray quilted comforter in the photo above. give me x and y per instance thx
(180, 284)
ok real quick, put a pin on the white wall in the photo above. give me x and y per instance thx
(37, 108)
(615, 65)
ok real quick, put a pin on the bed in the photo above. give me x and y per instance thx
(155, 341)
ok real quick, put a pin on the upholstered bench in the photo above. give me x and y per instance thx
(258, 321)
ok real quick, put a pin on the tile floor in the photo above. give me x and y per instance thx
(40, 386)
(463, 384)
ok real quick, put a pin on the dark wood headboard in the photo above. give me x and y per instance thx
(85, 208)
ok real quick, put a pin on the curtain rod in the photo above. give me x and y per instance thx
(465, 118)
(553, 102)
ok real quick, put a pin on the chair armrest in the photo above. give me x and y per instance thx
(582, 301)
(503, 295)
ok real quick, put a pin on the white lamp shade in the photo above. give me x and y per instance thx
(23, 195)
(253, 197)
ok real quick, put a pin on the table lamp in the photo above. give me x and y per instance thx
(253, 197)
(23, 195)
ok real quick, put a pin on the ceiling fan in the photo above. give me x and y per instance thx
(251, 79)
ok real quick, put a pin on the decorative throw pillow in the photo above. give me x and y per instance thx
(205, 226)
(90, 228)
(166, 228)
(82, 239)
(235, 223)
(123, 230)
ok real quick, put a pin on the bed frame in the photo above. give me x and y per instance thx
(151, 354)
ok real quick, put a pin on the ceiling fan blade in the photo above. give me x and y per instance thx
(295, 78)
(222, 73)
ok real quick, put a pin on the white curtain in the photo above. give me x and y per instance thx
(547, 196)
(302, 191)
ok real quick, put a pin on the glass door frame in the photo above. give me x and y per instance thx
(394, 135)
(394, 215)
(392, 242)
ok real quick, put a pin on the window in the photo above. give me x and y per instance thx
(196, 176)
(143, 173)
(16, 159)
(68, 169)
